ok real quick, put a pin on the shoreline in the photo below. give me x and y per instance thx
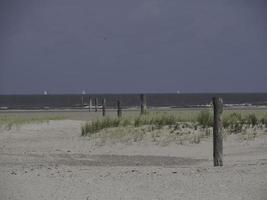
(136, 108)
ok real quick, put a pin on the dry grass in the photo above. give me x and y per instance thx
(7, 122)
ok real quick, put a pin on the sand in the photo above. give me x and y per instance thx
(52, 161)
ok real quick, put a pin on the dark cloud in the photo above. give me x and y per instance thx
(66, 46)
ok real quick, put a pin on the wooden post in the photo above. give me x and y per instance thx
(143, 104)
(82, 101)
(217, 131)
(104, 107)
(119, 113)
(90, 104)
(96, 104)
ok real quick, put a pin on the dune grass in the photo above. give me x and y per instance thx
(234, 121)
(156, 119)
(7, 122)
(163, 128)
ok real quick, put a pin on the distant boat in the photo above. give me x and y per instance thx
(178, 92)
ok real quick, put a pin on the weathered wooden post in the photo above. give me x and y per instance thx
(217, 131)
(96, 104)
(82, 101)
(143, 104)
(90, 104)
(119, 113)
(104, 107)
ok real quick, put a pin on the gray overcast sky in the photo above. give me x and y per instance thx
(123, 46)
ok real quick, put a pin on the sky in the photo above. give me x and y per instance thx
(126, 46)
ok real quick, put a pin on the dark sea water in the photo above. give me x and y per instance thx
(127, 100)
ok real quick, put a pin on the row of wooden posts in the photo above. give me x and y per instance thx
(217, 123)
(119, 109)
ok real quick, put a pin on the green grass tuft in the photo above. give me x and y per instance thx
(263, 120)
(204, 118)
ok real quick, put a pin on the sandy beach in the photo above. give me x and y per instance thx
(52, 161)
(133, 100)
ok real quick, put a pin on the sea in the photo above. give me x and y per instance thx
(73, 101)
